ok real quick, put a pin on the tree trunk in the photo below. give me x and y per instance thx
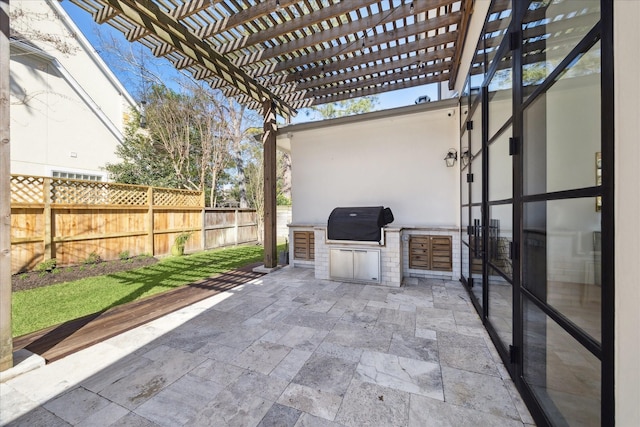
(212, 196)
(286, 175)
(242, 185)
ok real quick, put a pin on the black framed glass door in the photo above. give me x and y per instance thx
(535, 237)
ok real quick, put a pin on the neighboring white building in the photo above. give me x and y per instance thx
(68, 110)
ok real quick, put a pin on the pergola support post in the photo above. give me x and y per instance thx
(6, 339)
(269, 154)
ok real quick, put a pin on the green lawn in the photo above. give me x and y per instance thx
(39, 308)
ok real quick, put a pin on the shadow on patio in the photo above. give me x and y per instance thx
(284, 350)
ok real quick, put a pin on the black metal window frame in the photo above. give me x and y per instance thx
(603, 350)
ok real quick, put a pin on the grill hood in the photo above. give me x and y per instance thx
(358, 223)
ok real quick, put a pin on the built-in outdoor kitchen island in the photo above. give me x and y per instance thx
(405, 253)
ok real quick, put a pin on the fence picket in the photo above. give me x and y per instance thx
(69, 219)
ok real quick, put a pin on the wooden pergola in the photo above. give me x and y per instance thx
(298, 53)
(275, 56)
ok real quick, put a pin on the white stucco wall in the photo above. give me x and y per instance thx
(86, 66)
(68, 115)
(53, 124)
(627, 208)
(395, 161)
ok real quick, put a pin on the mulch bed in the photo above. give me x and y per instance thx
(35, 279)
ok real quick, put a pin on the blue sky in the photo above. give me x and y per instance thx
(89, 28)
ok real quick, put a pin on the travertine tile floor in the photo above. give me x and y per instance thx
(285, 350)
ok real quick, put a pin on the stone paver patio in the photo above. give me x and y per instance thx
(285, 350)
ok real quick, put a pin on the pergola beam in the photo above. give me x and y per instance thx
(242, 17)
(408, 79)
(296, 24)
(325, 54)
(346, 31)
(263, 9)
(147, 14)
(183, 11)
(376, 40)
(466, 6)
(386, 72)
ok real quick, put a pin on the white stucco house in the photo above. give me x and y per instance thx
(68, 110)
(546, 153)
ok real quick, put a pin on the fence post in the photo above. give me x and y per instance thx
(203, 234)
(150, 237)
(235, 227)
(48, 226)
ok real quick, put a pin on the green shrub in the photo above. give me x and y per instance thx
(179, 243)
(47, 265)
(93, 258)
(124, 255)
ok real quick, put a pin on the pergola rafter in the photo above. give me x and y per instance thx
(323, 75)
(148, 15)
(305, 51)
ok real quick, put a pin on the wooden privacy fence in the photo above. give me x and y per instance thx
(70, 220)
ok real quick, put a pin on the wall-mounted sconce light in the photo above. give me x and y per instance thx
(465, 156)
(451, 157)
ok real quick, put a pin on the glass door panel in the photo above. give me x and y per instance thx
(500, 233)
(500, 168)
(548, 40)
(562, 259)
(477, 250)
(476, 132)
(563, 375)
(562, 152)
(464, 223)
(500, 98)
(476, 185)
(501, 306)
(464, 187)
(498, 20)
(500, 271)
(464, 258)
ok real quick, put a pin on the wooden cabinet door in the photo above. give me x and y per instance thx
(303, 245)
(419, 252)
(441, 253)
(430, 253)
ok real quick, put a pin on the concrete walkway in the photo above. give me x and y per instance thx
(284, 350)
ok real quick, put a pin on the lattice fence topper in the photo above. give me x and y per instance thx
(30, 189)
(27, 189)
(171, 197)
(76, 192)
